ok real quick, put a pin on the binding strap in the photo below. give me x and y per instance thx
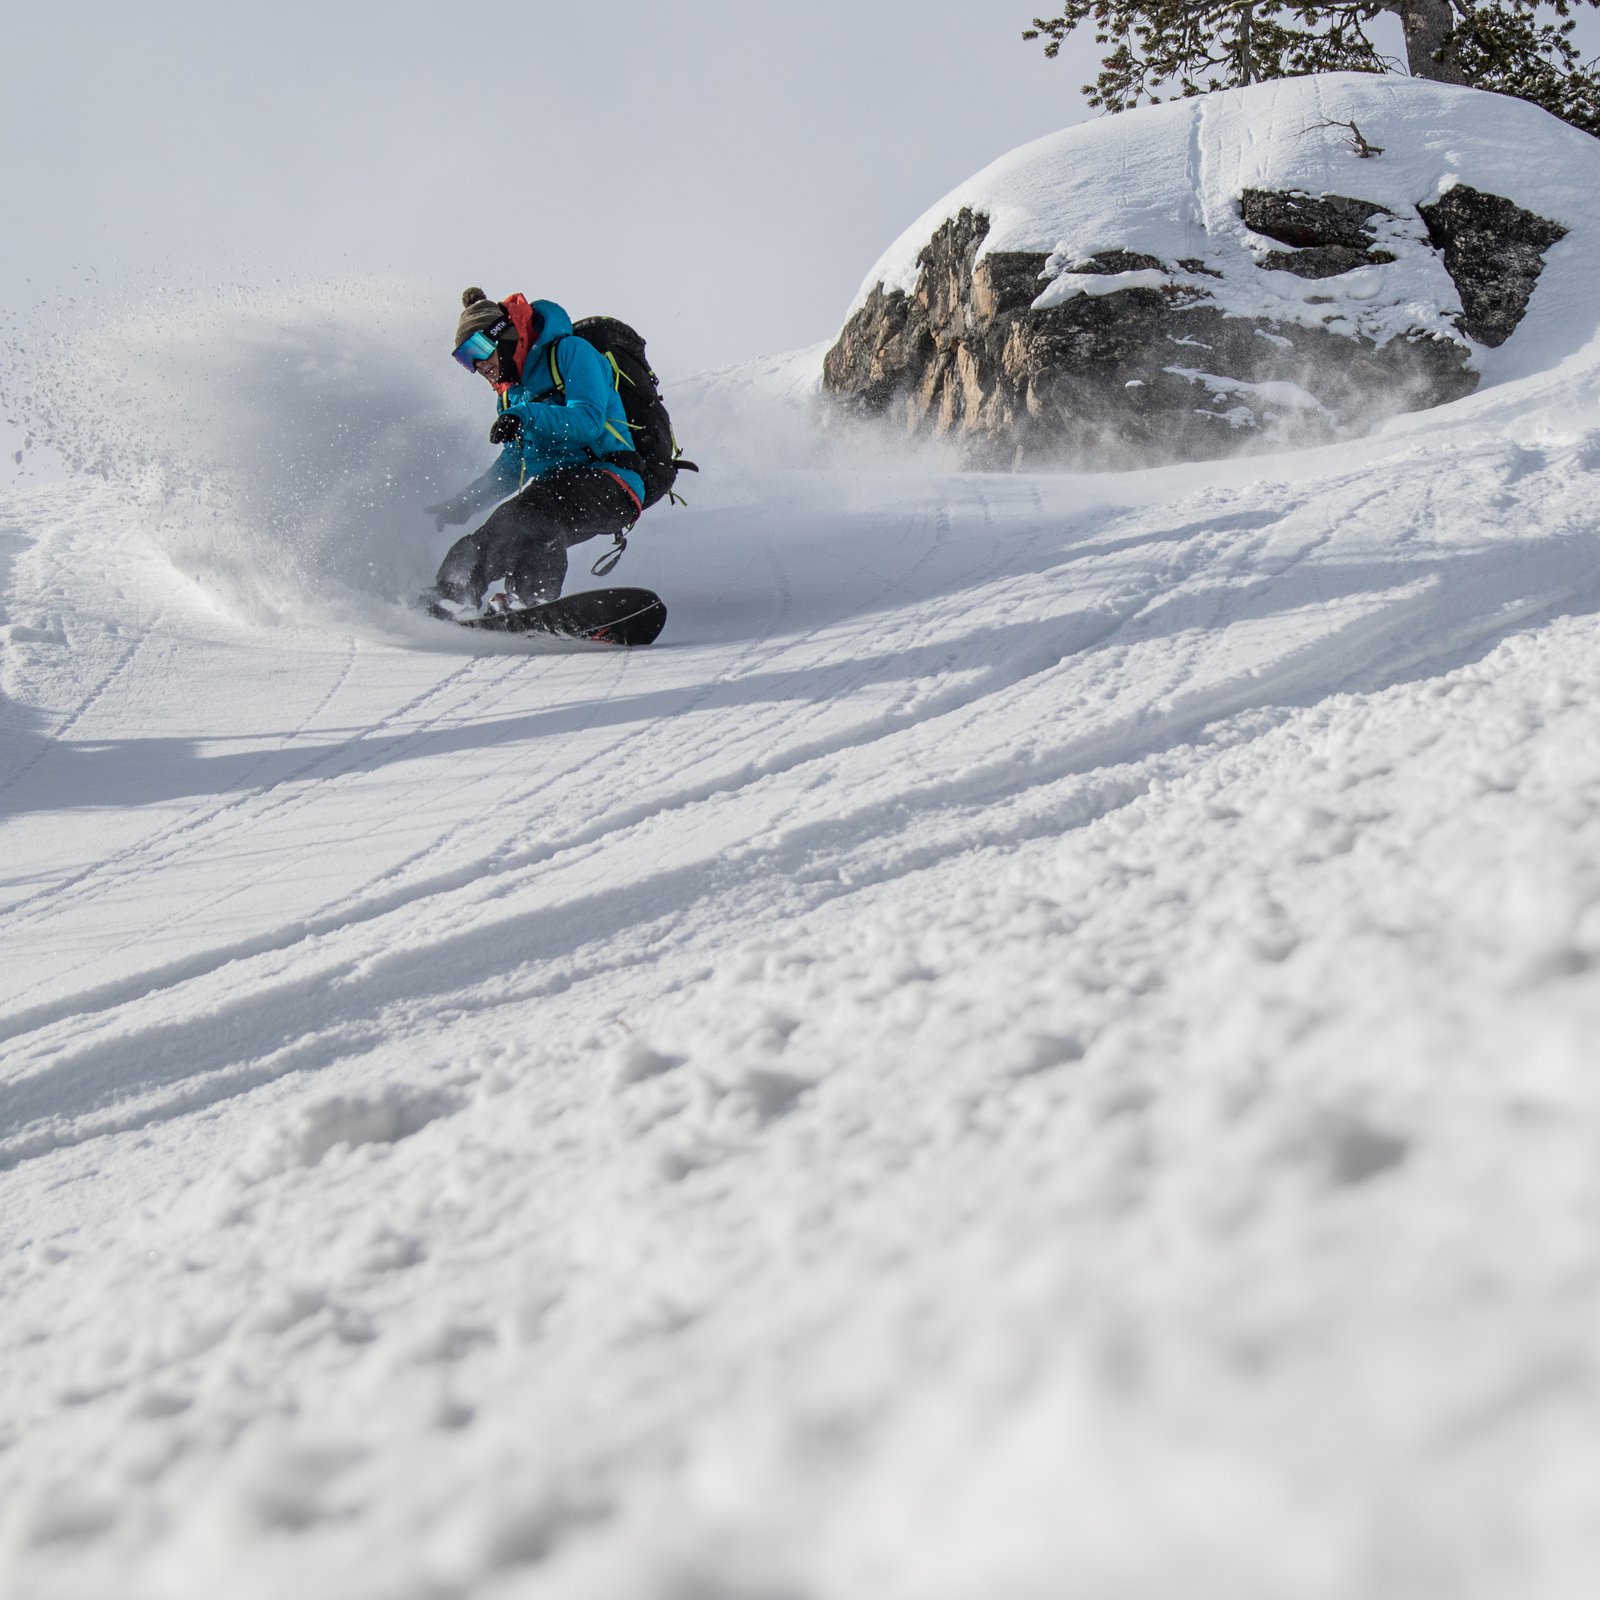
(607, 563)
(609, 560)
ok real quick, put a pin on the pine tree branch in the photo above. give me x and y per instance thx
(1155, 48)
(1357, 142)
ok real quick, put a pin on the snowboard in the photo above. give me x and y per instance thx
(603, 616)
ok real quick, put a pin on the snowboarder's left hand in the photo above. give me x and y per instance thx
(506, 428)
(445, 511)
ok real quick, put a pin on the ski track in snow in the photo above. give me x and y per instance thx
(870, 748)
(1040, 1042)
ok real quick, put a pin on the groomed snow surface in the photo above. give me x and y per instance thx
(1041, 1043)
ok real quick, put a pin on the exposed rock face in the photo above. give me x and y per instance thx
(1495, 252)
(1308, 220)
(1332, 234)
(1153, 369)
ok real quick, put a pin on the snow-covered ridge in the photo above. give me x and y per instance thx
(1166, 181)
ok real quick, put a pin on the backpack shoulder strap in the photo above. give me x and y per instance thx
(618, 376)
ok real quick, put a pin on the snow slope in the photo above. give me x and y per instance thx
(1040, 1043)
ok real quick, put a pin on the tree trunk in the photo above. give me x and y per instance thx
(1430, 35)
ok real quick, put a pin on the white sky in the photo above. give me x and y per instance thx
(722, 172)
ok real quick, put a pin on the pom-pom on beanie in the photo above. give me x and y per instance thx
(480, 314)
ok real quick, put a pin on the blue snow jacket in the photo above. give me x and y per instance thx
(589, 427)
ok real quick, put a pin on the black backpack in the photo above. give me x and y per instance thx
(658, 459)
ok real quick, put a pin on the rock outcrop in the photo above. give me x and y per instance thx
(1494, 251)
(1331, 234)
(1124, 359)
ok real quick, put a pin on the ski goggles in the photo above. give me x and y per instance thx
(474, 348)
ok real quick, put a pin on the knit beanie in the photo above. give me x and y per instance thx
(481, 314)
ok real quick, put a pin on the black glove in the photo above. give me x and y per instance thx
(507, 428)
(445, 511)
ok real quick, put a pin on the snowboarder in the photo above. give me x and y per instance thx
(567, 460)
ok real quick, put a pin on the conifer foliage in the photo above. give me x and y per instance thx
(1164, 47)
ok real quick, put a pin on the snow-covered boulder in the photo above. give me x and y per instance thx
(1281, 265)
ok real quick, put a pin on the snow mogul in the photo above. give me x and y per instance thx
(571, 465)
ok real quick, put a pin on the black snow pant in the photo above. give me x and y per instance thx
(525, 540)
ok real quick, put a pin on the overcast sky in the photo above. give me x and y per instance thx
(723, 172)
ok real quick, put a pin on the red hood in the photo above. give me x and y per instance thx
(525, 322)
